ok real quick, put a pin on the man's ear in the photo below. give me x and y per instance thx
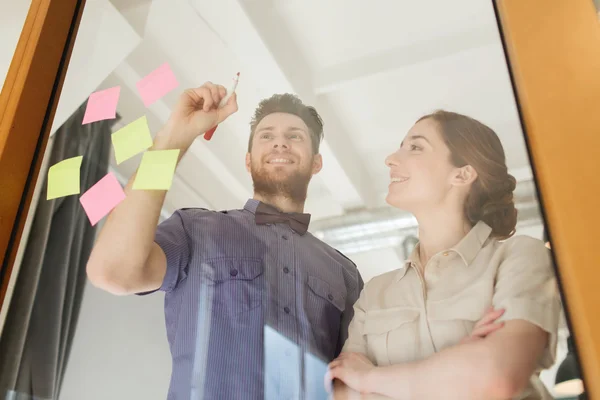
(248, 162)
(464, 176)
(317, 164)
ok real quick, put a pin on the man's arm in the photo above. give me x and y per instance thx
(125, 259)
(348, 314)
(497, 367)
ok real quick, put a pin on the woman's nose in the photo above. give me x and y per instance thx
(391, 160)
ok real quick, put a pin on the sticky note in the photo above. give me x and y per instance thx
(156, 170)
(156, 84)
(63, 178)
(101, 198)
(131, 139)
(102, 105)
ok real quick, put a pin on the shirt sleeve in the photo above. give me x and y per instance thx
(357, 342)
(348, 314)
(174, 241)
(526, 289)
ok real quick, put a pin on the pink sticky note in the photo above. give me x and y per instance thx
(102, 105)
(101, 198)
(156, 84)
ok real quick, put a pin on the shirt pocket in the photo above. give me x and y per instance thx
(235, 284)
(324, 306)
(454, 318)
(392, 335)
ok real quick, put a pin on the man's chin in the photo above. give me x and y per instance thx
(279, 175)
(276, 183)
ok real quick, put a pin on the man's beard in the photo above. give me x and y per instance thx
(293, 186)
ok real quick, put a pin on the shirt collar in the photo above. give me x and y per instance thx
(251, 205)
(470, 245)
(467, 248)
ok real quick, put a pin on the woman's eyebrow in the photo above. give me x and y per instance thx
(413, 137)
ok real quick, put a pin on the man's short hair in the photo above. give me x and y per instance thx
(289, 104)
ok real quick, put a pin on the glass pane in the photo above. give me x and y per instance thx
(180, 300)
(12, 18)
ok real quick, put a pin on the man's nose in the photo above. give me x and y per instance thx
(281, 143)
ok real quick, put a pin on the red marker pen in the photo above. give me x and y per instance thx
(209, 133)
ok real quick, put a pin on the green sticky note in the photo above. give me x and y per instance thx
(63, 178)
(156, 170)
(131, 139)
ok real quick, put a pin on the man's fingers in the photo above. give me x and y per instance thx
(202, 97)
(222, 91)
(229, 108)
(214, 92)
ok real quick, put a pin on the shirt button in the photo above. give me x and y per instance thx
(330, 296)
(287, 310)
(286, 270)
(284, 237)
(233, 272)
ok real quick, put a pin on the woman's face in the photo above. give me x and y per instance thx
(421, 174)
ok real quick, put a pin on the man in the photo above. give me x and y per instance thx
(251, 298)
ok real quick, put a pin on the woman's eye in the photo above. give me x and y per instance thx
(415, 147)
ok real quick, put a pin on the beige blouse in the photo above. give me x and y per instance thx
(405, 315)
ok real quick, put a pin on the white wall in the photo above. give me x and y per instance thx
(120, 350)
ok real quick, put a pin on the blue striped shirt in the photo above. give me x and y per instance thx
(252, 311)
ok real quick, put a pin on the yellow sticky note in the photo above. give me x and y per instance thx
(131, 139)
(63, 178)
(156, 170)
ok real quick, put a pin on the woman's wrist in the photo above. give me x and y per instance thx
(371, 379)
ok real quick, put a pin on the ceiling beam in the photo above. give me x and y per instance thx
(337, 76)
(269, 56)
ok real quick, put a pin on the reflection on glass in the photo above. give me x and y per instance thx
(282, 366)
(245, 302)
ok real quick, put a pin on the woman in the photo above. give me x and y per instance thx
(406, 340)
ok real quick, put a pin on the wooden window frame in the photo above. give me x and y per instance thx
(27, 105)
(553, 49)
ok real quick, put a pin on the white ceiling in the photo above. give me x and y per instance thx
(371, 72)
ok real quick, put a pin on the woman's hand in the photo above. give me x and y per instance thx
(485, 326)
(353, 369)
